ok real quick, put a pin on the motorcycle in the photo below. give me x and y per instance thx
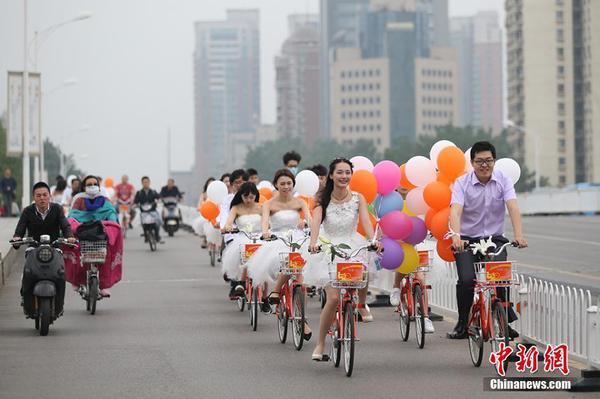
(149, 224)
(171, 215)
(43, 288)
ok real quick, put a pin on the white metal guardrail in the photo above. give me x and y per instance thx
(560, 202)
(549, 313)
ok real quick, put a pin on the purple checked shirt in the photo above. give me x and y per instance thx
(484, 205)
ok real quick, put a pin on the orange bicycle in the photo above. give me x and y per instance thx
(412, 300)
(253, 295)
(488, 320)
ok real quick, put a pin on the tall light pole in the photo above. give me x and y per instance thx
(39, 34)
(26, 199)
(536, 152)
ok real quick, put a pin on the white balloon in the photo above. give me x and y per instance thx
(307, 183)
(437, 148)
(265, 184)
(510, 168)
(420, 171)
(415, 201)
(362, 163)
(217, 191)
(468, 166)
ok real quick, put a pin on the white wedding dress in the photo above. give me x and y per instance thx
(231, 254)
(339, 227)
(263, 267)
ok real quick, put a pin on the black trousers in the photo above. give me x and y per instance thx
(465, 286)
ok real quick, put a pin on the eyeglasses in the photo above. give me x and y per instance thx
(481, 162)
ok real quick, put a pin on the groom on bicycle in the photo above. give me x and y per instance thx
(479, 202)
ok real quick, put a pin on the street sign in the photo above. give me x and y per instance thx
(14, 132)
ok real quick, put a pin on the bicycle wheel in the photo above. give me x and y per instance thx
(212, 253)
(348, 339)
(419, 301)
(93, 293)
(475, 336)
(404, 316)
(254, 310)
(152, 240)
(45, 315)
(336, 343)
(282, 316)
(241, 303)
(298, 317)
(499, 329)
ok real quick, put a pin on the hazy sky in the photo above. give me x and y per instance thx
(133, 64)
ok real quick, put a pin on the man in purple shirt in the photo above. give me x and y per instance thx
(479, 202)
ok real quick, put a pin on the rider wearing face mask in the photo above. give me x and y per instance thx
(291, 160)
(91, 204)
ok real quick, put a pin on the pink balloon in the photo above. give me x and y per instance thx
(361, 163)
(420, 171)
(387, 174)
(415, 201)
(396, 225)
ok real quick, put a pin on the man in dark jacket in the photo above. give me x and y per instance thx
(43, 218)
(149, 196)
(8, 187)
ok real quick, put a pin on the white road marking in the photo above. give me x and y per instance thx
(562, 239)
(178, 280)
(548, 269)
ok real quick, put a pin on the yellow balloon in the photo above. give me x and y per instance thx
(411, 259)
(406, 210)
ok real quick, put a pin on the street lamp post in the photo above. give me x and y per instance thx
(26, 198)
(536, 152)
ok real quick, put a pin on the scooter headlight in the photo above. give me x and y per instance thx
(45, 255)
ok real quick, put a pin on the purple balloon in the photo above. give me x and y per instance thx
(419, 231)
(393, 254)
(396, 225)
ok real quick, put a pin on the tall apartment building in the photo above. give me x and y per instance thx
(226, 86)
(478, 40)
(360, 94)
(436, 91)
(541, 85)
(298, 85)
(298, 21)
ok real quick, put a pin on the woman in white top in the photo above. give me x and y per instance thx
(246, 212)
(336, 218)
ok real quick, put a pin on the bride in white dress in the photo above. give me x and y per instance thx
(246, 215)
(336, 219)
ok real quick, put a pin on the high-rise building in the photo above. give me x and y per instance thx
(226, 87)
(478, 40)
(541, 85)
(360, 93)
(297, 21)
(297, 84)
(436, 90)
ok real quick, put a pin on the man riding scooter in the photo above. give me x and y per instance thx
(171, 215)
(43, 218)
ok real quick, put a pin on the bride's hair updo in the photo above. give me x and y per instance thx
(324, 196)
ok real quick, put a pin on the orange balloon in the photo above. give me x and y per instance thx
(266, 193)
(262, 199)
(444, 179)
(451, 162)
(437, 195)
(364, 182)
(428, 216)
(361, 229)
(403, 180)
(209, 210)
(108, 182)
(444, 249)
(439, 223)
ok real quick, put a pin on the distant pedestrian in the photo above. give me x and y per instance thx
(8, 187)
(291, 160)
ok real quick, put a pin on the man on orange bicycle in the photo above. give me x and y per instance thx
(125, 192)
(479, 202)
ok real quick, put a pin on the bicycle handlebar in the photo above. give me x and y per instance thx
(483, 247)
(30, 240)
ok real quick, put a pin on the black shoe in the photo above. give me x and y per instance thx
(227, 279)
(232, 293)
(265, 307)
(239, 290)
(512, 333)
(459, 332)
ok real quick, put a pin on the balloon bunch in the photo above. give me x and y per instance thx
(427, 206)
(215, 194)
(402, 229)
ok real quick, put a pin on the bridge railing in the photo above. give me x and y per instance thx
(549, 313)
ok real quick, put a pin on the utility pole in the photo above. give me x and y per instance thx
(168, 152)
(25, 115)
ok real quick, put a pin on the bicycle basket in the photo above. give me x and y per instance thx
(92, 251)
(425, 260)
(497, 272)
(148, 218)
(348, 275)
(291, 263)
(246, 251)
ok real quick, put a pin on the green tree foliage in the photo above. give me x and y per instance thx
(267, 157)
(52, 155)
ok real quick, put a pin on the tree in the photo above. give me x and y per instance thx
(52, 156)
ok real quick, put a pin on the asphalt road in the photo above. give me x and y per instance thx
(170, 332)
(561, 248)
